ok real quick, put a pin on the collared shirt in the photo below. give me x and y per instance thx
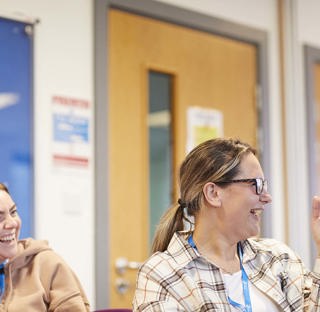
(180, 279)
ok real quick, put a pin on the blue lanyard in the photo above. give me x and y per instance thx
(244, 280)
(191, 242)
(245, 287)
(2, 279)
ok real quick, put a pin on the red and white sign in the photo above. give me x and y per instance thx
(71, 131)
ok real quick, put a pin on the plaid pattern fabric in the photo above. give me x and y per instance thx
(180, 279)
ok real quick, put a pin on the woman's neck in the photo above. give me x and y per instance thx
(218, 249)
(215, 244)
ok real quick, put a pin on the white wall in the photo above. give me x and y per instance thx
(64, 208)
(308, 22)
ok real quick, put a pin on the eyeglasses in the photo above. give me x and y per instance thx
(260, 184)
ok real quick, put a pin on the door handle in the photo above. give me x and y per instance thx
(122, 264)
(122, 286)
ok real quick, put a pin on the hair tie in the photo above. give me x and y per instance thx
(181, 203)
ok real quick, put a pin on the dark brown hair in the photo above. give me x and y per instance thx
(3, 187)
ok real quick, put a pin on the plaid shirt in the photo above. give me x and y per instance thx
(180, 279)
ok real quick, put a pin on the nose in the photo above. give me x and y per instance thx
(265, 198)
(10, 222)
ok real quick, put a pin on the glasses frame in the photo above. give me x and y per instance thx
(260, 184)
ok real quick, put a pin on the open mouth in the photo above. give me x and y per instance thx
(7, 238)
(256, 212)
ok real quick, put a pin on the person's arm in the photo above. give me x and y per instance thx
(151, 296)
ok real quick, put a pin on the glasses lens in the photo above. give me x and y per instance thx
(261, 185)
(265, 186)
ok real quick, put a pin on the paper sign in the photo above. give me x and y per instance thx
(70, 120)
(203, 124)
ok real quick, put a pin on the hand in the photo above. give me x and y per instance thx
(315, 221)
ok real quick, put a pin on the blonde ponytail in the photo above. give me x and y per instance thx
(170, 222)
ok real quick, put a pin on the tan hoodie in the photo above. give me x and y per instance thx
(37, 279)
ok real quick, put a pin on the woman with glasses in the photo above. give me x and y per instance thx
(218, 263)
(33, 278)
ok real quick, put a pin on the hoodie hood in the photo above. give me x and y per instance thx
(27, 249)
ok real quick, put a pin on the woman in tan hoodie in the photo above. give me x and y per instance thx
(32, 276)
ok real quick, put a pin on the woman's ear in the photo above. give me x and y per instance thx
(211, 194)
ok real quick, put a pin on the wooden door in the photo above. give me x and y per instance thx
(208, 71)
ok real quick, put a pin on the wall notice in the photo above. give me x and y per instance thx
(203, 124)
(70, 122)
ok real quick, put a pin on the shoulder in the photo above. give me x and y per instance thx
(44, 268)
(28, 244)
(32, 247)
(272, 246)
(36, 252)
(178, 255)
(159, 264)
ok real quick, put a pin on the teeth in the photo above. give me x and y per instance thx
(7, 238)
(256, 212)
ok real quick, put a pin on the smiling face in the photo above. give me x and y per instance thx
(10, 224)
(241, 206)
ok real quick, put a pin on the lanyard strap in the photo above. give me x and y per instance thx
(244, 280)
(245, 287)
(191, 242)
(2, 279)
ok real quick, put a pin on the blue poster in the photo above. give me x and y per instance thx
(16, 124)
(70, 128)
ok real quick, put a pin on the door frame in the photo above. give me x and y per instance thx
(311, 57)
(182, 17)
